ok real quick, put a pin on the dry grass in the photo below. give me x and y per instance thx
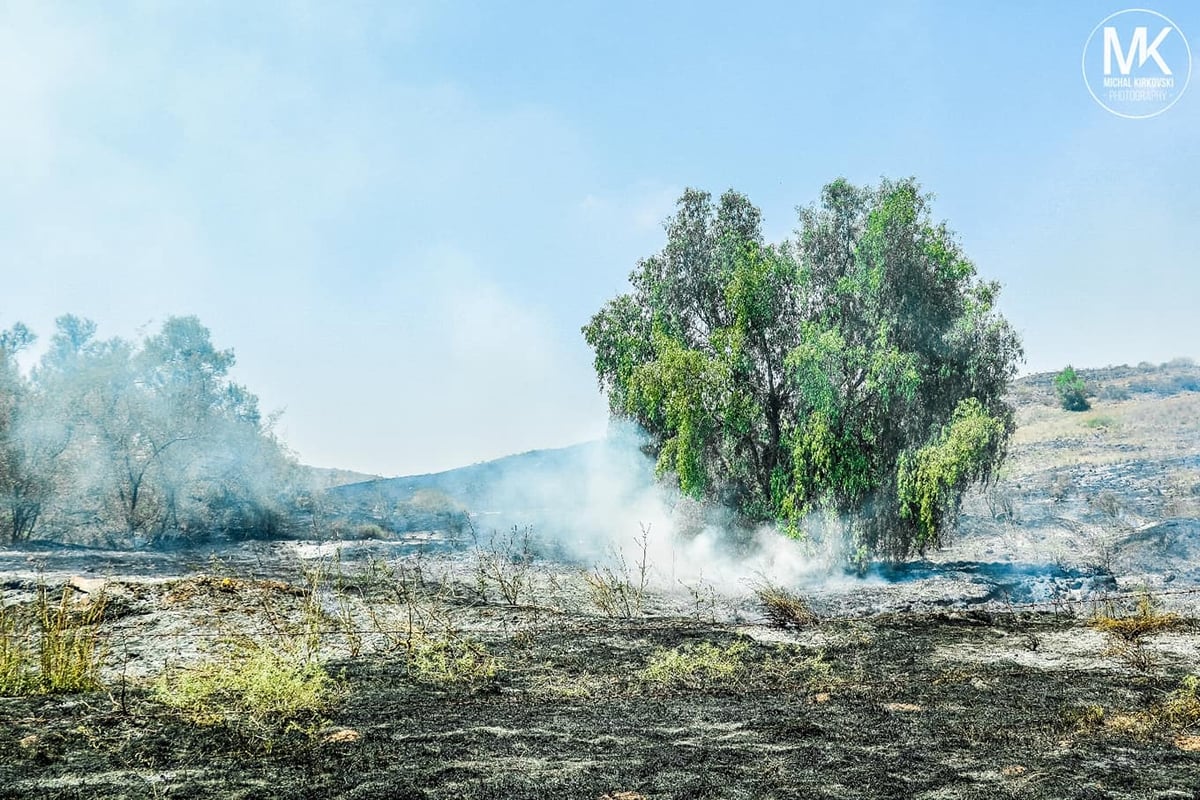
(1177, 715)
(1159, 427)
(1145, 621)
(783, 608)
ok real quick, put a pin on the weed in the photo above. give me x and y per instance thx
(619, 591)
(783, 608)
(1181, 709)
(562, 687)
(449, 660)
(1084, 717)
(52, 647)
(695, 666)
(704, 599)
(1134, 654)
(507, 563)
(435, 653)
(17, 675)
(1146, 620)
(1178, 713)
(69, 651)
(251, 688)
(329, 598)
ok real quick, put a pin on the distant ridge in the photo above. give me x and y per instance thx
(530, 476)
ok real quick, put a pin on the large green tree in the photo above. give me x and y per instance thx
(857, 371)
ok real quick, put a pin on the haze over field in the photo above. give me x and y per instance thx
(400, 217)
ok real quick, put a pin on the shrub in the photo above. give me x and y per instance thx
(620, 591)
(450, 660)
(52, 647)
(507, 562)
(783, 608)
(1072, 393)
(1181, 708)
(1147, 619)
(252, 688)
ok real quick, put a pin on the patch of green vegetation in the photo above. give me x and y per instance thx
(1181, 708)
(51, 647)
(16, 655)
(1178, 712)
(695, 666)
(1071, 390)
(1087, 717)
(798, 378)
(250, 687)
(1100, 421)
(450, 660)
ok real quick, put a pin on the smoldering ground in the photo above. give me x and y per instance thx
(980, 671)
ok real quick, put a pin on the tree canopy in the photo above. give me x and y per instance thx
(149, 440)
(1071, 390)
(857, 371)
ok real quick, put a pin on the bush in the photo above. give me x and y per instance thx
(1181, 709)
(507, 562)
(783, 608)
(1072, 393)
(1147, 619)
(53, 647)
(450, 660)
(252, 688)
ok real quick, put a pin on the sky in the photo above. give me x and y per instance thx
(400, 215)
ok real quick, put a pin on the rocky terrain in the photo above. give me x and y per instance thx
(1045, 652)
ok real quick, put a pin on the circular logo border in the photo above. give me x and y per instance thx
(1088, 43)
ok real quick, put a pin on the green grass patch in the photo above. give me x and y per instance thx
(449, 660)
(51, 646)
(695, 666)
(251, 688)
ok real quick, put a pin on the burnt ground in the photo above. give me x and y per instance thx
(973, 673)
(868, 708)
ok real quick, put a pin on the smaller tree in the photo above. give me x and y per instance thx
(1072, 393)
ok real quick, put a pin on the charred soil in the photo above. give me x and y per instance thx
(870, 708)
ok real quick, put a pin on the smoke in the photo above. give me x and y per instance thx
(108, 441)
(600, 503)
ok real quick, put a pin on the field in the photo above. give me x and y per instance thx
(1045, 653)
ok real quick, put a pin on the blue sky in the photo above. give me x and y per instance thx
(400, 215)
